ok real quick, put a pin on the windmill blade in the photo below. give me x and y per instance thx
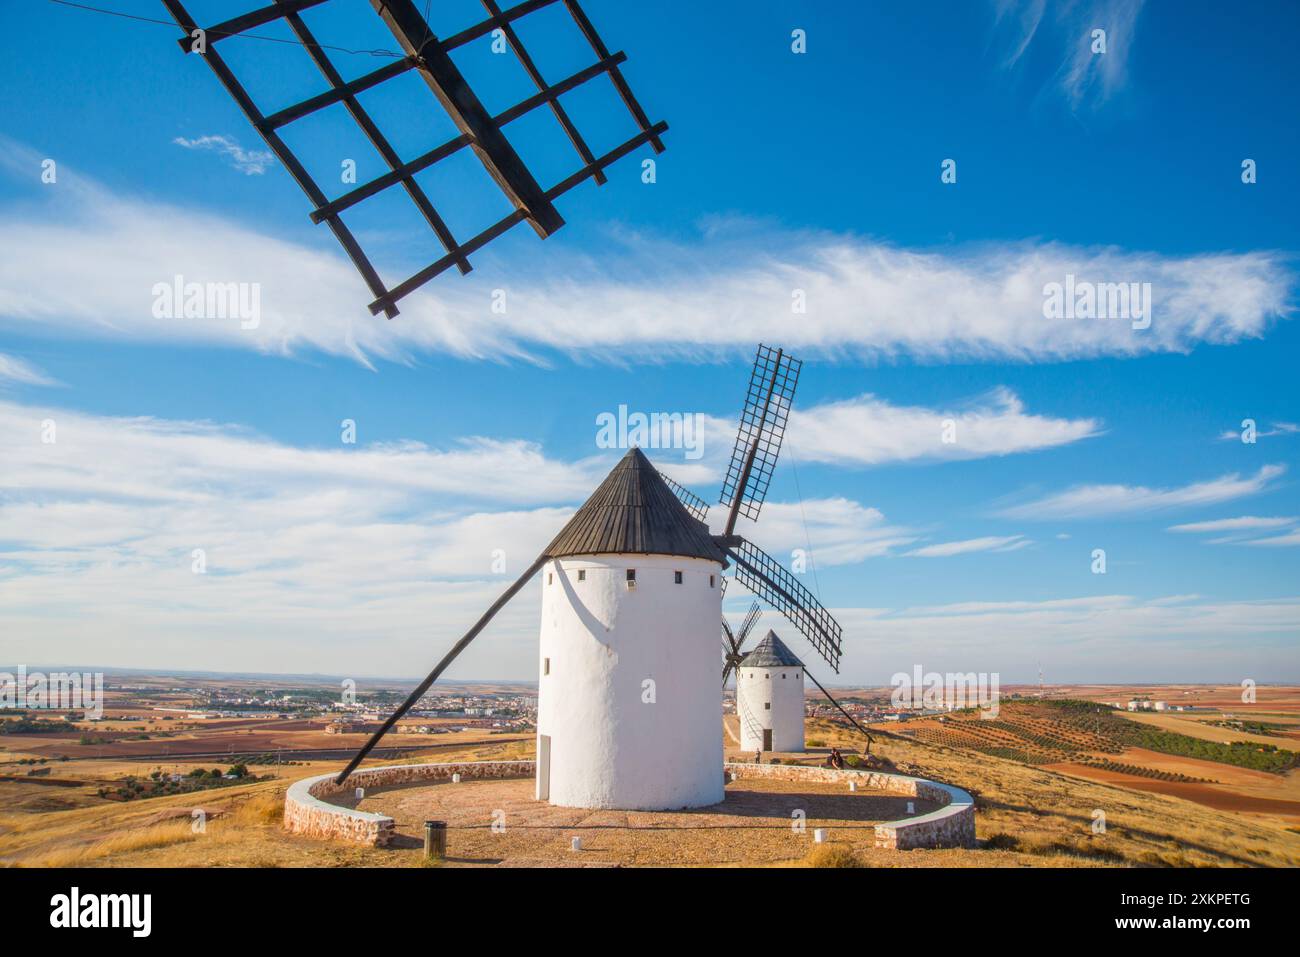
(694, 504)
(426, 54)
(751, 619)
(730, 651)
(771, 581)
(729, 636)
(762, 427)
(852, 720)
(447, 659)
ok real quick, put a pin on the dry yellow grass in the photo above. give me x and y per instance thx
(84, 855)
(1196, 727)
(1025, 817)
(832, 855)
(1051, 814)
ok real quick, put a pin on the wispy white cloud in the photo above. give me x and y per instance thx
(991, 543)
(1087, 501)
(644, 298)
(13, 369)
(1023, 19)
(1291, 538)
(181, 461)
(358, 559)
(1174, 638)
(373, 559)
(1245, 530)
(1246, 523)
(248, 162)
(868, 430)
(1094, 76)
(1092, 68)
(1279, 428)
(838, 531)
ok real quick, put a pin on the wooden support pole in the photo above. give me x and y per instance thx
(468, 113)
(447, 659)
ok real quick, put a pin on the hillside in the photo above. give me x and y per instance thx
(1028, 815)
(1055, 731)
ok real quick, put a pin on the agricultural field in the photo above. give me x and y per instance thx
(1177, 755)
(1027, 815)
(1174, 790)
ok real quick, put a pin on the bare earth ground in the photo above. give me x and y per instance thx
(1197, 726)
(1272, 798)
(1026, 816)
(753, 825)
(1279, 699)
(1235, 789)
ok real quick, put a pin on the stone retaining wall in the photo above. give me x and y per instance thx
(952, 825)
(308, 811)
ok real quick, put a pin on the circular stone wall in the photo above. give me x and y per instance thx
(948, 819)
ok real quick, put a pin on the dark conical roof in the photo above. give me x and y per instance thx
(635, 512)
(771, 652)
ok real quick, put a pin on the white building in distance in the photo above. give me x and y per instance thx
(770, 697)
(629, 704)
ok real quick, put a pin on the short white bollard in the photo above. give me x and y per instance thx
(455, 779)
(361, 792)
(575, 844)
(819, 836)
(911, 808)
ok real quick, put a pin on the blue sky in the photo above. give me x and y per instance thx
(476, 431)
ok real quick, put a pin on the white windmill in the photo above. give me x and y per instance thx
(770, 697)
(628, 702)
(629, 708)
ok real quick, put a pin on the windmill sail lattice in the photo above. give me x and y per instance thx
(694, 504)
(769, 580)
(734, 641)
(762, 428)
(639, 511)
(430, 57)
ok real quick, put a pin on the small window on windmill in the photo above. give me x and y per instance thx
(767, 705)
(631, 578)
(582, 574)
(546, 666)
(550, 579)
(710, 581)
(677, 578)
(475, 155)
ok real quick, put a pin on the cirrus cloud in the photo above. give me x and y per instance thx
(1088, 501)
(989, 543)
(700, 296)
